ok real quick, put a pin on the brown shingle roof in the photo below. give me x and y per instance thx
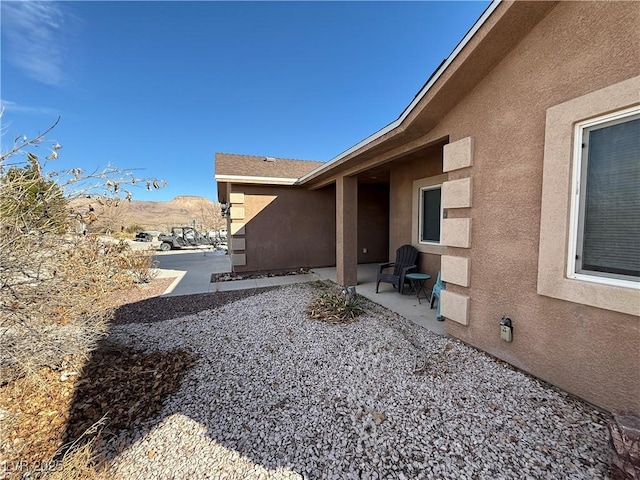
(253, 166)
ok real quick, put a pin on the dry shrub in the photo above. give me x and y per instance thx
(54, 293)
(35, 414)
(139, 264)
(54, 290)
(81, 463)
(335, 306)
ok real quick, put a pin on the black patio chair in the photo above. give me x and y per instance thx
(406, 258)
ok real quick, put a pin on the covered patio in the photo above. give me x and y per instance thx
(379, 205)
(406, 305)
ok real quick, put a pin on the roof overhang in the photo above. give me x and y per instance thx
(434, 78)
(497, 30)
(255, 180)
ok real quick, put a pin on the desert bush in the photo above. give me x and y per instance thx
(134, 229)
(53, 284)
(335, 306)
(54, 294)
(139, 264)
(29, 202)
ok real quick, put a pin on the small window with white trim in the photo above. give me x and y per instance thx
(430, 219)
(605, 242)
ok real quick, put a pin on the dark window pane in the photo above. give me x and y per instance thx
(611, 224)
(430, 215)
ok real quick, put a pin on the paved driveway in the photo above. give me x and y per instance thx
(193, 268)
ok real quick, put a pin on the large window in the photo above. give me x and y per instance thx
(606, 208)
(567, 226)
(430, 214)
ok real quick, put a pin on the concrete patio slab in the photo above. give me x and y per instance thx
(193, 272)
(405, 305)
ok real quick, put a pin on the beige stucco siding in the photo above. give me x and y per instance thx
(402, 220)
(493, 102)
(591, 352)
(286, 227)
(373, 223)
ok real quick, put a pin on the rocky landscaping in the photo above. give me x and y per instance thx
(275, 394)
(233, 276)
(270, 384)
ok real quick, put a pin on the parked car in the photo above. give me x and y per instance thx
(143, 237)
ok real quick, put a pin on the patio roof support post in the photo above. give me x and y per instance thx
(347, 231)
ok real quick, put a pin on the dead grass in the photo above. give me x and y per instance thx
(137, 293)
(43, 414)
(82, 463)
(36, 411)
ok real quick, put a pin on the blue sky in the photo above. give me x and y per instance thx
(162, 86)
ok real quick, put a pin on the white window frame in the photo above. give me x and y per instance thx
(421, 216)
(575, 214)
(557, 194)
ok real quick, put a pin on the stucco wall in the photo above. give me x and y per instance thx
(287, 227)
(577, 48)
(373, 223)
(401, 215)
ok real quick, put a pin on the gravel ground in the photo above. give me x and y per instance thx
(157, 309)
(275, 395)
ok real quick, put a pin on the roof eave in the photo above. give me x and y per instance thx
(407, 111)
(255, 180)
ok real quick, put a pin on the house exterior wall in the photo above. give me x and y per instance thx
(283, 227)
(578, 48)
(496, 130)
(373, 223)
(402, 207)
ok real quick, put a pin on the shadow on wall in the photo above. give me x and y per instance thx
(293, 227)
(287, 227)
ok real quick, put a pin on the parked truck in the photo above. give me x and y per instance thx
(181, 237)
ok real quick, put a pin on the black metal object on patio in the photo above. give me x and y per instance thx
(406, 258)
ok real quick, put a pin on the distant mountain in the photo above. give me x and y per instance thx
(147, 215)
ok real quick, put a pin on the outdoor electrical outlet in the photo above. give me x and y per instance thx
(505, 333)
(364, 250)
(506, 329)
